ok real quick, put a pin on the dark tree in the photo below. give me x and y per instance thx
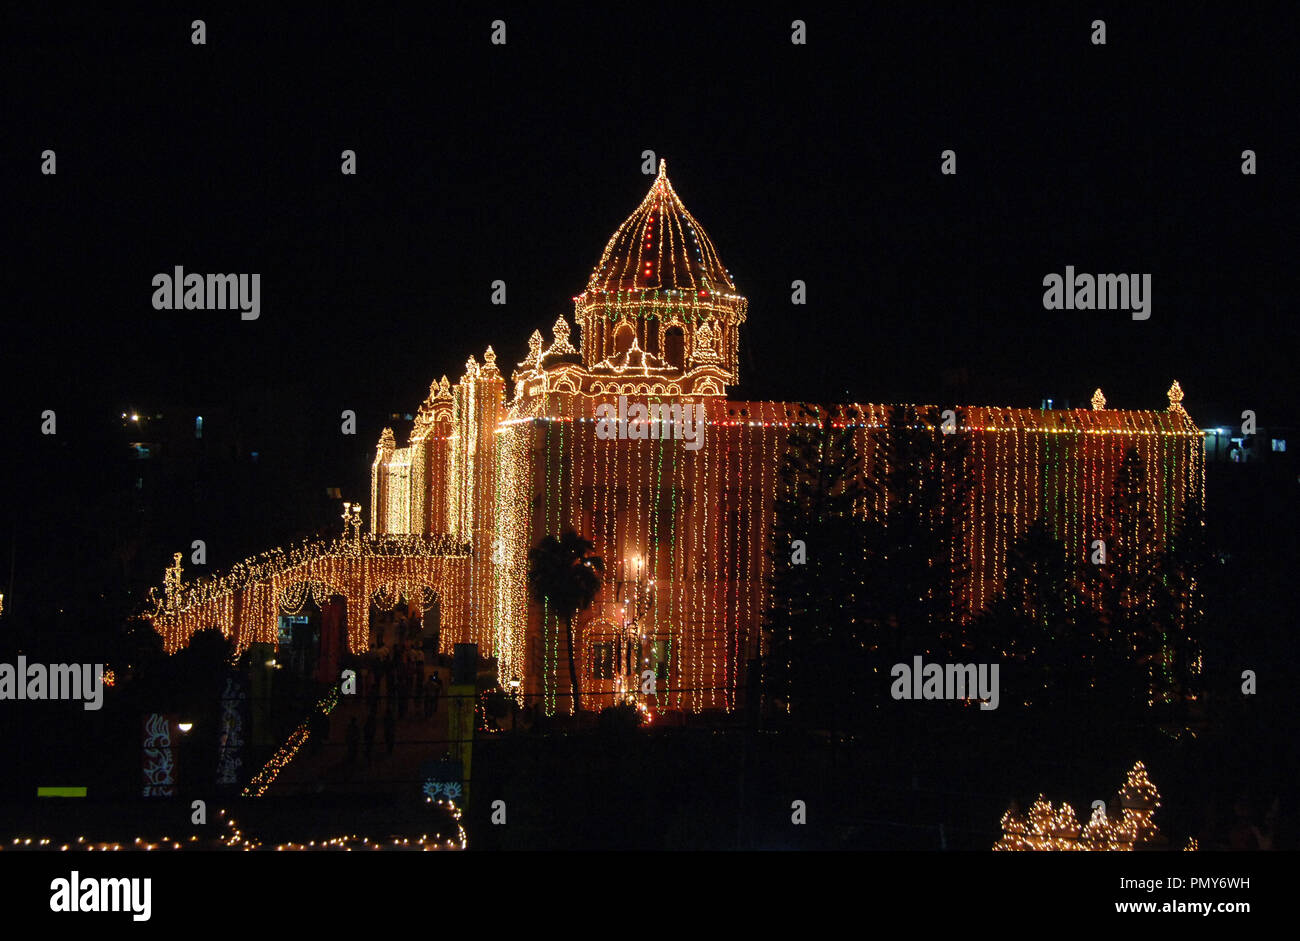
(564, 573)
(919, 477)
(1179, 604)
(817, 638)
(1037, 621)
(1131, 601)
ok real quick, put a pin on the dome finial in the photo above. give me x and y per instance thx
(1175, 394)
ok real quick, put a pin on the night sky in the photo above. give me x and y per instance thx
(478, 162)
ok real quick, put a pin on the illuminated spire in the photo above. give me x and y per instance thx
(489, 368)
(561, 331)
(660, 275)
(660, 247)
(1175, 394)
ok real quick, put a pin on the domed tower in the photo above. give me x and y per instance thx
(659, 286)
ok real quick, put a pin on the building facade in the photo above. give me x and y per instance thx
(628, 437)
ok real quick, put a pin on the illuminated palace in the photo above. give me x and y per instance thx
(494, 463)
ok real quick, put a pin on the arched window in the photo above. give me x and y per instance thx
(675, 347)
(623, 338)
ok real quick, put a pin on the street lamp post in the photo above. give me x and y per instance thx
(514, 702)
(635, 595)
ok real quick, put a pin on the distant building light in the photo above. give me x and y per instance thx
(198, 426)
(254, 455)
(1279, 444)
(135, 417)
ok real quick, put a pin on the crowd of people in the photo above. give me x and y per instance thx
(398, 676)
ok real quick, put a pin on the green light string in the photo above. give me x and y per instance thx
(551, 661)
(654, 541)
(559, 523)
(674, 579)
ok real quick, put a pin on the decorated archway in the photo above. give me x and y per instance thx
(343, 576)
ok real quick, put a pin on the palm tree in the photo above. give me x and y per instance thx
(563, 574)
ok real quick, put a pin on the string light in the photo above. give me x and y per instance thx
(286, 753)
(234, 838)
(498, 473)
(373, 569)
(1048, 828)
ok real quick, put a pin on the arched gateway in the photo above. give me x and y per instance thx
(352, 571)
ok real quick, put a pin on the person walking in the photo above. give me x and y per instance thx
(372, 693)
(403, 681)
(390, 730)
(371, 723)
(354, 741)
(416, 672)
(434, 688)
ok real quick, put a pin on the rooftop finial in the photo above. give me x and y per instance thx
(561, 331)
(561, 345)
(1175, 394)
(489, 369)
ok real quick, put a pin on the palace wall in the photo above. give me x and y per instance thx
(699, 521)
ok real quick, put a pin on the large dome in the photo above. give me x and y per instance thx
(659, 285)
(660, 247)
